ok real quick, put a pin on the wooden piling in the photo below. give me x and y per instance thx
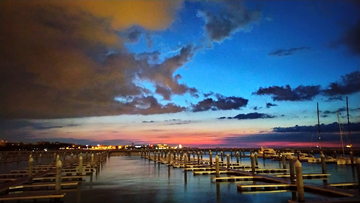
(228, 161)
(210, 157)
(222, 155)
(237, 156)
(323, 164)
(31, 165)
(352, 157)
(252, 163)
(299, 181)
(291, 165)
(39, 160)
(217, 166)
(80, 169)
(283, 158)
(256, 159)
(58, 177)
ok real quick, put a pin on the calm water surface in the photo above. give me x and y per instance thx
(135, 179)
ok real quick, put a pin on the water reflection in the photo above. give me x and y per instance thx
(218, 197)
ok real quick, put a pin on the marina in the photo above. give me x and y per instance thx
(174, 176)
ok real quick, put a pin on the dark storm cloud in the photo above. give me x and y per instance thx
(20, 124)
(300, 93)
(149, 105)
(287, 52)
(268, 105)
(334, 98)
(340, 110)
(349, 83)
(350, 38)
(133, 34)
(62, 60)
(220, 103)
(162, 74)
(332, 127)
(250, 116)
(233, 16)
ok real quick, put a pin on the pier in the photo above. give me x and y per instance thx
(47, 181)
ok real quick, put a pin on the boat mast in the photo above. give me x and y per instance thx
(348, 125)
(341, 137)
(317, 104)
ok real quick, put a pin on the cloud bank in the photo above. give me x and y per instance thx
(221, 103)
(287, 52)
(349, 84)
(249, 116)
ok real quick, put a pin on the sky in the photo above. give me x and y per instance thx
(196, 73)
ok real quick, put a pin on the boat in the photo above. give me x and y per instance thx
(268, 152)
(305, 156)
(328, 160)
(342, 160)
(279, 156)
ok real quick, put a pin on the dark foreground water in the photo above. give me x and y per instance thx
(135, 179)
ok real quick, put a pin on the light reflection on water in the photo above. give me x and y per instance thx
(134, 179)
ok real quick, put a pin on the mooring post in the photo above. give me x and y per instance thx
(198, 157)
(185, 160)
(228, 161)
(217, 166)
(352, 158)
(58, 177)
(92, 160)
(210, 158)
(222, 155)
(237, 156)
(299, 181)
(31, 165)
(357, 161)
(168, 158)
(80, 171)
(323, 164)
(39, 160)
(252, 157)
(57, 158)
(292, 172)
(283, 160)
(256, 159)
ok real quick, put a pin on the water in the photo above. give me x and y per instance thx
(135, 179)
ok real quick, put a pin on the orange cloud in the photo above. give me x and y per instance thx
(51, 55)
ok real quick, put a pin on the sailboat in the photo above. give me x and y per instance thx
(328, 159)
(313, 159)
(342, 160)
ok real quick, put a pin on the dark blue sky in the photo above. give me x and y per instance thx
(191, 72)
